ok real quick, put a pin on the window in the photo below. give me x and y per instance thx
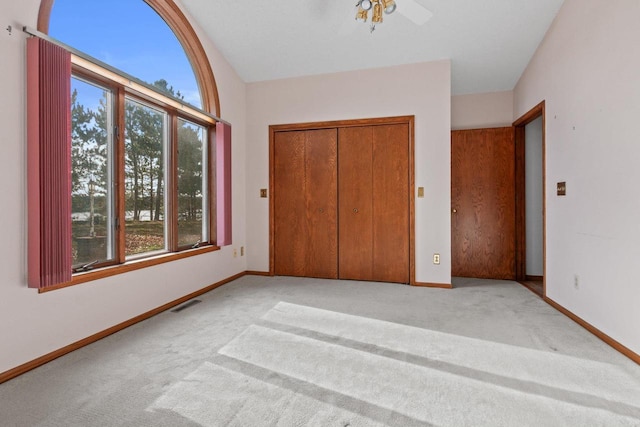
(92, 173)
(97, 20)
(145, 148)
(146, 49)
(192, 184)
(142, 157)
(163, 202)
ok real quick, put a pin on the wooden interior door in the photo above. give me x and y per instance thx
(355, 204)
(391, 203)
(305, 203)
(483, 203)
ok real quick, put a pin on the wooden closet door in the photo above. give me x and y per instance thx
(322, 203)
(290, 219)
(391, 203)
(483, 203)
(355, 204)
(305, 203)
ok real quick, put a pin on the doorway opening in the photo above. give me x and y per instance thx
(530, 199)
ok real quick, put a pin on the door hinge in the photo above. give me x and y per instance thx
(117, 223)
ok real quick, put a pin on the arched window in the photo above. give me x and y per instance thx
(142, 162)
(165, 9)
(141, 44)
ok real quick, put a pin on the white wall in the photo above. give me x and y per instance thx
(33, 324)
(587, 70)
(482, 110)
(422, 90)
(533, 198)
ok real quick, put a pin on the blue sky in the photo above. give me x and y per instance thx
(128, 35)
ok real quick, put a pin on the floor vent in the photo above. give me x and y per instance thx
(186, 305)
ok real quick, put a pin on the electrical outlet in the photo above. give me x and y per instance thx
(235, 253)
(241, 250)
(576, 281)
(436, 258)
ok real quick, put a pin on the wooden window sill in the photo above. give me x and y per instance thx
(101, 273)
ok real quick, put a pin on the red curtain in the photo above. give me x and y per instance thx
(223, 180)
(49, 163)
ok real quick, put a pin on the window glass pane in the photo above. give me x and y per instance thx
(128, 35)
(192, 188)
(145, 142)
(92, 211)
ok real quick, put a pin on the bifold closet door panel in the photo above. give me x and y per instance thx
(290, 218)
(391, 203)
(355, 204)
(322, 203)
(305, 203)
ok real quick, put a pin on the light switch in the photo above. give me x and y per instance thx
(263, 193)
(420, 191)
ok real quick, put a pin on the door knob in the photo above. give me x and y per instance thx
(454, 210)
(355, 210)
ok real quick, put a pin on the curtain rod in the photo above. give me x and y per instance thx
(120, 73)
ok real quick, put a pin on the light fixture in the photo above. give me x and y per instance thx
(364, 6)
(389, 6)
(377, 13)
(361, 14)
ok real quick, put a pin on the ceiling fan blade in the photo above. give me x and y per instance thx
(414, 11)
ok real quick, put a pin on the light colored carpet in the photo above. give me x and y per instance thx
(296, 352)
(214, 395)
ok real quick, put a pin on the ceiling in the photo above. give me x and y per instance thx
(489, 42)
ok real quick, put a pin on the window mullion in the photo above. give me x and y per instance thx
(173, 183)
(120, 174)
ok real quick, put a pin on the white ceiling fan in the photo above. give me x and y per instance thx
(371, 11)
(410, 9)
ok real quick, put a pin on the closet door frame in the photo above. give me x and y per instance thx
(408, 120)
